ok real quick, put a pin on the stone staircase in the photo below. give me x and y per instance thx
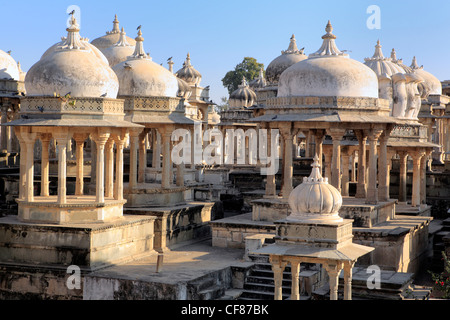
(259, 283)
(439, 245)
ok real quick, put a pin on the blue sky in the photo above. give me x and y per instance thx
(219, 34)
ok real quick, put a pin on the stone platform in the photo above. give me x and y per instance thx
(152, 195)
(182, 222)
(90, 246)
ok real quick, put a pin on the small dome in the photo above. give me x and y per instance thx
(188, 73)
(71, 67)
(111, 37)
(328, 72)
(243, 96)
(259, 82)
(432, 84)
(382, 66)
(8, 67)
(120, 51)
(315, 200)
(140, 76)
(287, 58)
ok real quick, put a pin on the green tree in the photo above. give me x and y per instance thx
(248, 68)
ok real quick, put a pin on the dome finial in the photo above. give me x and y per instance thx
(73, 40)
(188, 60)
(139, 52)
(378, 53)
(292, 47)
(122, 39)
(328, 47)
(116, 28)
(414, 64)
(393, 55)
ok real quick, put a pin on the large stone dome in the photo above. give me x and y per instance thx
(120, 51)
(328, 72)
(8, 67)
(140, 76)
(71, 68)
(315, 199)
(111, 37)
(287, 58)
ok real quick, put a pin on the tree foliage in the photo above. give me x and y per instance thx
(248, 68)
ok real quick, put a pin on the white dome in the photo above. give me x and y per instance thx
(8, 67)
(287, 58)
(140, 76)
(382, 66)
(111, 37)
(120, 51)
(72, 68)
(315, 200)
(328, 72)
(188, 73)
(433, 85)
(243, 96)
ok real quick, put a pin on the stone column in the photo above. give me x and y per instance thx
(287, 135)
(348, 265)
(109, 172)
(100, 141)
(423, 179)
(345, 173)
(372, 190)
(403, 175)
(270, 179)
(416, 156)
(45, 142)
(333, 270)
(156, 149)
(29, 139)
(134, 137)
(4, 131)
(278, 268)
(118, 185)
(353, 175)
(180, 175)
(336, 135)
(22, 166)
(319, 136)
(79, 155)
(62, 138)
(328, 153)
(295, 289)
(361, 190)
(167, 164)
(383, 168)
(142, 157)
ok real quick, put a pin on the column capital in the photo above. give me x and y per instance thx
(336, 133)
(100, 138)
(79, 137)
(417, 155)
(374, 134)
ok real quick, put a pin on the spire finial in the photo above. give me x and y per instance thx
(316, 175)
(393, 55)
(116, 28)
(188, 60)
(414, 64)
(328, 47)
(378, 53)
(292, 47)
(122, 40)
(73, 40)
(139, 51)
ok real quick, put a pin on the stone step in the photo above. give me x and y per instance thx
(211, 293)
(258, 295)
(265, 287)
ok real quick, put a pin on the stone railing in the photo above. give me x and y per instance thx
(167, 104)
(342, 103)
(409, 131)
(71, 105)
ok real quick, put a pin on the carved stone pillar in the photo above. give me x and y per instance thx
(134, 136)
(278, 268)
(270, 179)
(287, 135)
(361, 190)
(333, 270)
(336, 135)
(45, 143)
(319, 136)
(348, 265)
(167, 164)
(383, 168)
(142, 156)
(100, 141)
(403, 175)
(29, 139)
(62, 138)
(120, 141)
(345, 173)
(4, 130)
(372, 190)
(415, 199)
(79, 155)
(295, 285)
(109, 172)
